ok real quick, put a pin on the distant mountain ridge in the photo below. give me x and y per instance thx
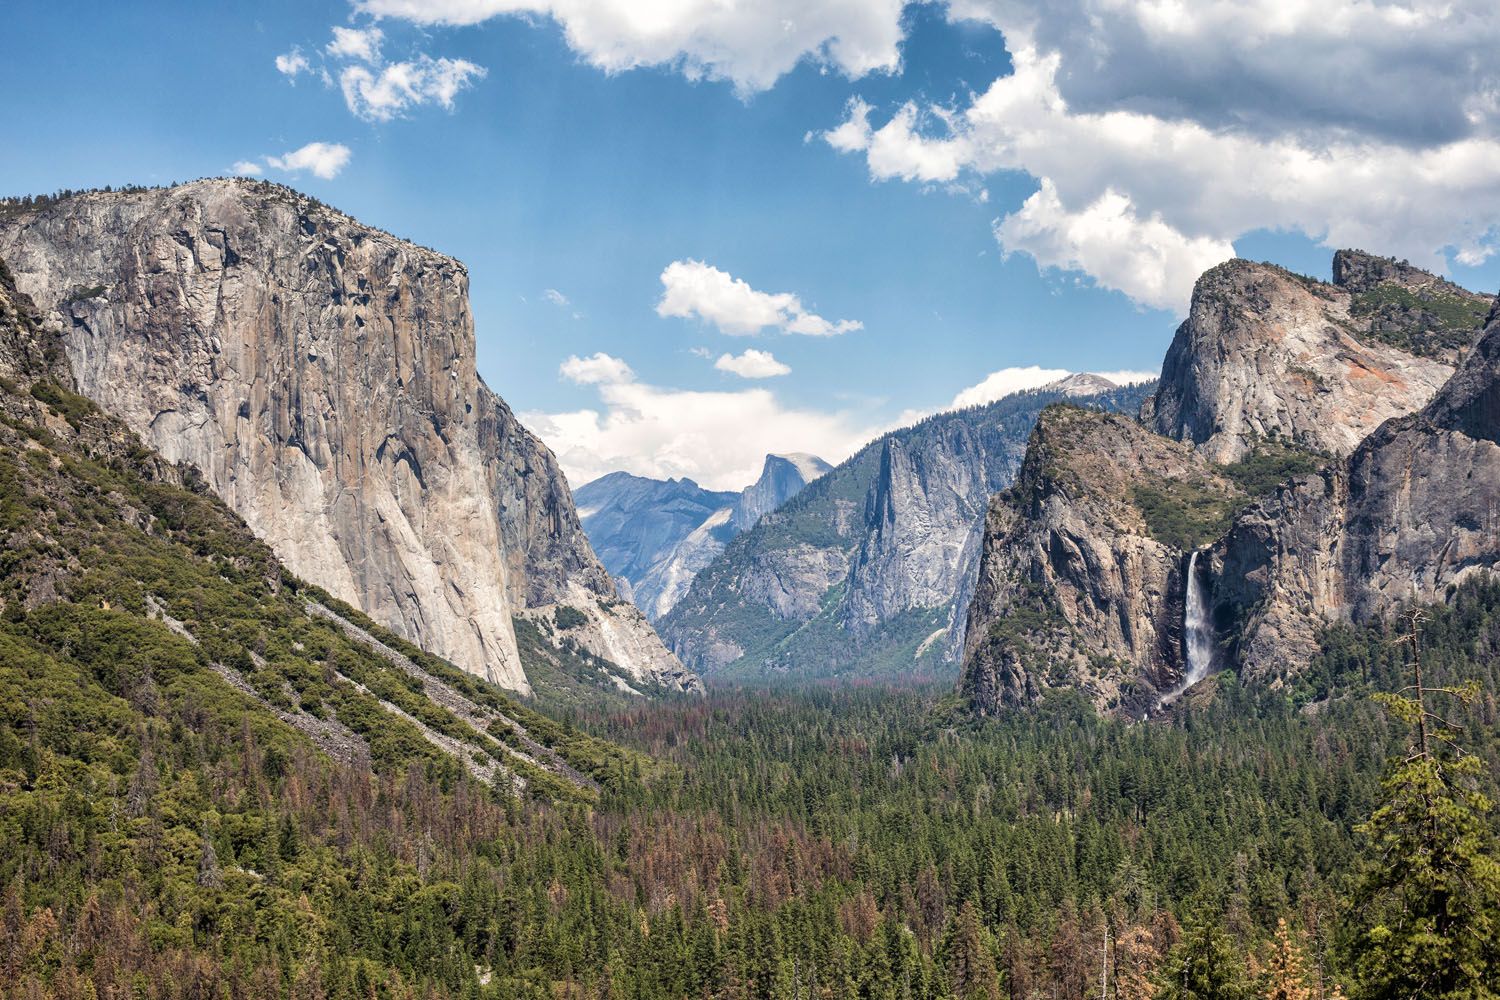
(655, 535)
(866, 571)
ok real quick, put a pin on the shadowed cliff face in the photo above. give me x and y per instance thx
(867, 571)
(1081, 581)
(1409, 515)
(1265, 353)
(321, 375)
(1306, 439)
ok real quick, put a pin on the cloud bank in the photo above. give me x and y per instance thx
(719, 439)
(1159, 133)
(749, 44)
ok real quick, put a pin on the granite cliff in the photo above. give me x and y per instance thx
(867, 570)
(1408, 516)
(1265, 353)
(1304, 441)
(320, 374)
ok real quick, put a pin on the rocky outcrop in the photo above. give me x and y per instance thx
(1306, 442)
(860, 573)
(1411, 513)
(1081, 581)
(1267, 354)
(321, 375)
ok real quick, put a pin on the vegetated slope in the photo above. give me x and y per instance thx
(119, 563)
(321, 376)
(860, 573)
(192, 741)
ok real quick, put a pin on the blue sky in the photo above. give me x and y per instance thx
(584, 147)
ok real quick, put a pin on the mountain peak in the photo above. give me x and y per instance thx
(782, 477)
(1266, 353)
(1081, 384)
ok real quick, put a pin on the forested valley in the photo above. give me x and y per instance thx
(818, 843)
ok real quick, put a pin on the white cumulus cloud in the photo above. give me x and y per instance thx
(293, 63)
(719, 439)
(693, 289)
(356, 43)
(555, 297)
(596, 369)
(1149, 168)
(752, 364)
(385, 92)
(751, 44)
(321, 159)
(246, 168)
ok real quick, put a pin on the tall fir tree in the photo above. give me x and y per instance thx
(1425, 912)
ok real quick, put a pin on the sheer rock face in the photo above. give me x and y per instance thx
(917, 514)
(1265, 353)
(1073, 593)
(1074, 590)
(863, 572)
(781, 478)
(1411, 513)
(321, 375)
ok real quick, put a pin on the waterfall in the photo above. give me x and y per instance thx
(1197, 630)
(1197, 633)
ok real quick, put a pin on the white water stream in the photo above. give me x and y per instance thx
(1197, 633)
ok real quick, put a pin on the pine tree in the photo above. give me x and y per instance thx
(971, 961)
(1285, 976)
(1136, 955)
(1426, 906)
(1203, 966)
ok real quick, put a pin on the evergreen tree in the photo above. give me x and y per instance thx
(1203, 966)
(1285, 976)
(971, 961)
(1426, 906)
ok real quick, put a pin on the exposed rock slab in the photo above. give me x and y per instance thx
(1265, 353)
(1411, 513)
(1075, 589)
(320, 373)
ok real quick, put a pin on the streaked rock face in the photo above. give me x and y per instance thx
(321, 375)
(1076, 589)
(867, 571)
(1414, 511)
(1265, 354)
